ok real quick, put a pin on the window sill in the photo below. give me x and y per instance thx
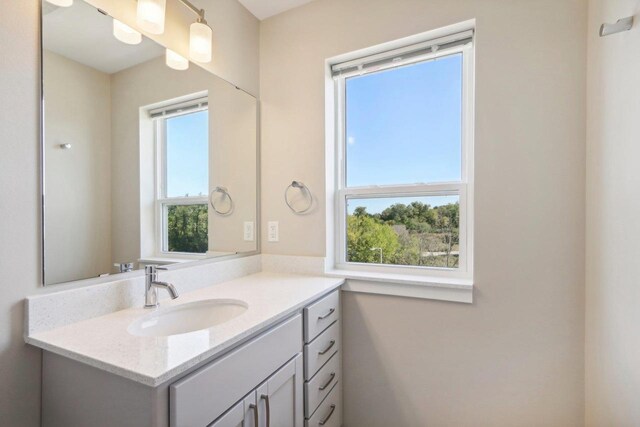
(424, 287)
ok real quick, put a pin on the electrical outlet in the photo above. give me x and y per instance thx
(248, 231)
(272, 231)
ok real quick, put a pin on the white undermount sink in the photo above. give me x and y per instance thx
(188, 317)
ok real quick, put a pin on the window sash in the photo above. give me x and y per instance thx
(162, 202)
(463, 188)
(421, 190)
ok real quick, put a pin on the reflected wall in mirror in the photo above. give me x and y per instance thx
(137, 155)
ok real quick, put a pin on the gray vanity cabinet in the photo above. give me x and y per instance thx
(243, 414)
(280, 398)
(323, 362)
(268, 363)
(276, 402)
(288, 375)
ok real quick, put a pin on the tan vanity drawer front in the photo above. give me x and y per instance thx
(319, 315)
(329, 413)
(318, 351)
(321, 384)
(204, 395)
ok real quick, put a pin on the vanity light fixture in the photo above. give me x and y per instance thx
(200, 41)
(200, 36)
(125, 33)
(150, 15)
(61, 3)
(175, 61)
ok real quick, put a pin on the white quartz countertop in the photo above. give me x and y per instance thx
(103, 342)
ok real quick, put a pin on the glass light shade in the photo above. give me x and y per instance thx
(125, 33)
(175, 61)
(150, 15)
(62, 3)
(200, 42)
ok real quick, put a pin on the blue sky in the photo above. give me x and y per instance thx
(403, 126)
(188, 154)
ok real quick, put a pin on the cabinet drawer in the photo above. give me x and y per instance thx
(318, 351)
(329, 413)
(204, 395)
(319, 315)
(321, 384)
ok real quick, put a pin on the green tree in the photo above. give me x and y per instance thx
(187, 227)
(368, 239)
(424, 235)
(416, 216)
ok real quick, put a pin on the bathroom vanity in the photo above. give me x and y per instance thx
(275, 362)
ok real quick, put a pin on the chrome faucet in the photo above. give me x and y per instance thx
(152, 284)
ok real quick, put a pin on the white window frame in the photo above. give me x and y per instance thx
(162, 202)
(463, 189)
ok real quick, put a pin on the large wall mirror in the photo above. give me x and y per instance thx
(143, 163)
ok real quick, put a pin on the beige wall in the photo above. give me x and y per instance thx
(78, 206)
(514, 357)
(613, 205)
(20, 260)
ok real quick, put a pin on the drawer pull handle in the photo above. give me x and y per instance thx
(327, 315)
(266, 399)
(255, 414)
(323, 422)
(329, 347)
(331, 377)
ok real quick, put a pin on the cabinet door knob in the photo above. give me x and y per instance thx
(329, 347)
(327, 315)
(265, 397)
(323, 422)
(331, 377)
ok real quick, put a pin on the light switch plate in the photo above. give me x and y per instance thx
(248, 231)
(272, 231)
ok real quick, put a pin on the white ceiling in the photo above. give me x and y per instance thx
(262, 9)
(84, 35)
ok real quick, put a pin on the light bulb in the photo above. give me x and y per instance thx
(150, 15)
(125, 33)
(61, 3)
(200, 42)
(175, 61)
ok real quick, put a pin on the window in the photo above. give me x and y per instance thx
(404, 159)
(182, 177)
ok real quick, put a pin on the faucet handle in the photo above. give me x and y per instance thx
(152, 268)
(124, 267)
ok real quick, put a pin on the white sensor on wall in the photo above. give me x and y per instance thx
(272, 231)
(248, 231)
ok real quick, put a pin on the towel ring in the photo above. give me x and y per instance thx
(302, 187)
(225, 193)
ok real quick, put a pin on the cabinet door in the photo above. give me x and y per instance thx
(280, 397)
(243, 414)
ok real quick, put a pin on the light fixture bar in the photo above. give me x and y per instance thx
(194, 9)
